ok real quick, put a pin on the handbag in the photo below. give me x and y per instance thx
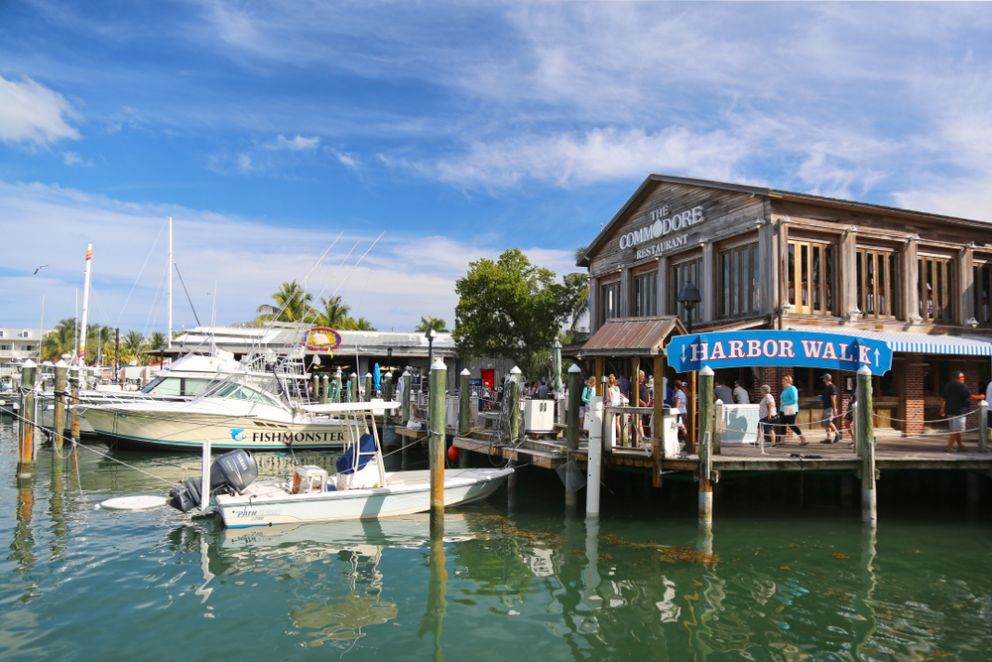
(789, 410)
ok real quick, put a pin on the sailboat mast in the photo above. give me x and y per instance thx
(168, 292)
(81, 357)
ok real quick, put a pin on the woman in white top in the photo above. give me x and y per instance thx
(766, 415)
(613, 398)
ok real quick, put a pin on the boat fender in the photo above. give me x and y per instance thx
(453, 453)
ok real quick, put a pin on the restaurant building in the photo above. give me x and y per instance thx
(768, 259)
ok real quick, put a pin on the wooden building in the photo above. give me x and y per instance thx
(768, 259)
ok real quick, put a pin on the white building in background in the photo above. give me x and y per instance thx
(18, 344)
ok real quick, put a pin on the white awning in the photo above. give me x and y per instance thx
(915, 343)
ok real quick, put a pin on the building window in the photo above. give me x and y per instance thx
(609, 301)
(5, 348)
(683, 273)
(739, 276)
(811, 277)
(878, 283)
(983, 294)
(645, 294)
(936, 280)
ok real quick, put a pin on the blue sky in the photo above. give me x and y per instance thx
(273, 131)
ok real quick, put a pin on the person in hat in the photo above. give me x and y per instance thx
(829, 404)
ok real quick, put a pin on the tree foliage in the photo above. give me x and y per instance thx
(291, 304)
(513, 309)
(435, 323)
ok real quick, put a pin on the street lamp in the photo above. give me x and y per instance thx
(689, 298)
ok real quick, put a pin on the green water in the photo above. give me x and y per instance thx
(512, 579)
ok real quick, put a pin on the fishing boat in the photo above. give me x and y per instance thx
(361, 488)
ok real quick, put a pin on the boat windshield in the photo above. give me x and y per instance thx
(167, 385)
(241, 392)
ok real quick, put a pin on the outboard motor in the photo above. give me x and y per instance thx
(230, 473)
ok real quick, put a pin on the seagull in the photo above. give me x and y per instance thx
(37, 269)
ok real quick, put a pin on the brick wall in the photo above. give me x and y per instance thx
(911, 403)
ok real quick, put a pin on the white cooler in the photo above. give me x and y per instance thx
(539, 415)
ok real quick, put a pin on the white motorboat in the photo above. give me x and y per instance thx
(361, 488)
(231, 414)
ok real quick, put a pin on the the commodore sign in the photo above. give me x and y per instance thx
(663, 223)
(778, 348)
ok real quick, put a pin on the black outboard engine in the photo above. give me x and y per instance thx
(230, 473)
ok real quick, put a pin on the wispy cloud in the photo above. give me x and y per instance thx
(31, 113)
(297, 143)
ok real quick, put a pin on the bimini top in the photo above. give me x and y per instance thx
(632, 336)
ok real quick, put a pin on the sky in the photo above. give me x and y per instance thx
(373, 150)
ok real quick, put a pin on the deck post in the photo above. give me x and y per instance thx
(464, 403)
(983, 426)
(705, 445)
(866, 439)
(74, 402)
(572, 424)
(58, 418)
(514, 403)
(405, 397)
(368, 387)
(438, 379)
(25, 446)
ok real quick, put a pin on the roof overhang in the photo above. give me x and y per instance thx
(915, 343)
(633, 336)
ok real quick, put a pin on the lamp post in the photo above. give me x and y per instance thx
(689, 298)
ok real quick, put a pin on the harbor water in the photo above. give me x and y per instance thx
(512, 578)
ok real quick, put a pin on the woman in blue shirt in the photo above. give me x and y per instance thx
(789, 399)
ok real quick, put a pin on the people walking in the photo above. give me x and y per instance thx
(789, 398)
(723, 393)
(766, 416)
(828, 399)
(741, 396)
(955, 405)
(613, 398)
(588, 391)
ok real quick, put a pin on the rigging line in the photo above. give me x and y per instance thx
(367, 251)
(138, 277)
(183, 283)
(154, 306)
(340, 263)
(308, 274)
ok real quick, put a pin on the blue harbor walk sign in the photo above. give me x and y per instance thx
(778, 348)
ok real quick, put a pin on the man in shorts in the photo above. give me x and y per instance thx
(954, 405)
(829, 406)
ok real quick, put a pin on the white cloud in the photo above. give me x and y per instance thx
(297, 143)
(74, 159)
(32, 113)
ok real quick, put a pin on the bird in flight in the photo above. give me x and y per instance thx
(37, 269)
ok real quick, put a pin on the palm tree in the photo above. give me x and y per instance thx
(335, 312)
(133, 347)
(429, 322)
(99, 339)
(292, 304)
(156, 342)
(60, 340)
(360, 324)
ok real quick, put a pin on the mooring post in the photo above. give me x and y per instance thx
(74, 405)
(25, 447)
(387, 386)
(464, 403)
(205, 475)
(718, 409)
(866, 438)
(594, 465)
(368, 387)
(438, 379)
(572, 425)
(58, 418)
(983, 426)
(514, 403)
(315, 385)
(705, 432)
(405, 397)
(336, 395)
(324, 389)
(353, 387)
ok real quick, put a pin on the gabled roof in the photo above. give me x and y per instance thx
(632, 336)
(764, 192)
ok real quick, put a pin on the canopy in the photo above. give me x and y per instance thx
(632, 336)
(916, 343)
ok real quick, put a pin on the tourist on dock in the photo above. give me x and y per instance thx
(542, 390)
(624, 385)
(789, 399)
(767, 413)
(644, 400)
(681, 403)
(723, 393)
(955, 406)
(613, 398)
(588, 391)
(740, 394)
(828, 398)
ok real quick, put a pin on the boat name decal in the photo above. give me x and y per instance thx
(238, 434)
(296, 437)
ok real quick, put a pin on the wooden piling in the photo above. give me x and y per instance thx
(336, 396)
(983, 426)
(74, 403)
(866, 440)
(405, 397)
(387, 386)
(325, 388)
(438, 379)
(58, 418)
(25, 446)
(572, 424)
(513, 385)
(368, 387)
(705, 445)
(464, 403)
(658, 427)
(315, 388)
(353, 387)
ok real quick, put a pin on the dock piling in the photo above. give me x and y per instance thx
(866, 442)
(464, 403)
(25, 446)
(353, 387)
(405, 397)
(325, 389)
(438, 379)
(513, 385)
(58, 418)
(705, 433)
(336, 395)
(368, 387)
(572, 423)
(74, 402)
(594, 463)
(983, 426)
(387, 386)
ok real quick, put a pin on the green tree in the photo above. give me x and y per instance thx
(60, 340)
(335, 312)
(156, 342)
(512, 309)
(133, 347)
(360, 324)
(435, 323)
(577, 283)
(292, 304)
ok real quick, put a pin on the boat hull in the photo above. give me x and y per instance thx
(189, 431)
(411, 496)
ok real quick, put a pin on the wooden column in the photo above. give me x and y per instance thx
(707, 290)
(848, 275)
(661, 280)
(438, 379)
(599, 376)
(965, 278)
(910, 282)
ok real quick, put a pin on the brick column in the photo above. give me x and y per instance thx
(911, 404)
